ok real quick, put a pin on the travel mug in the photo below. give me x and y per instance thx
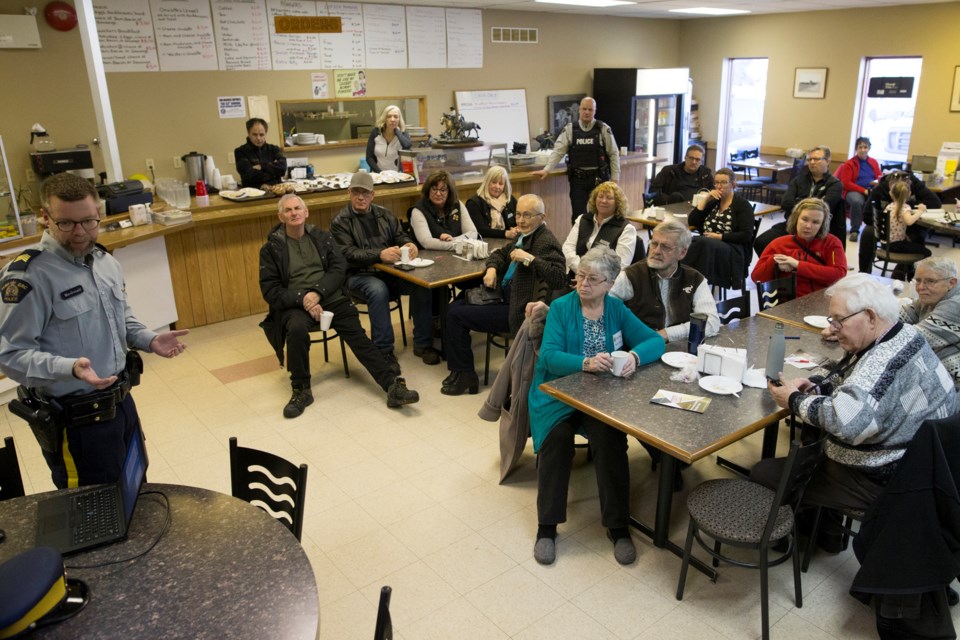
(698, 332)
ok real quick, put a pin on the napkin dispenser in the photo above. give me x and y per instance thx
(722, 361)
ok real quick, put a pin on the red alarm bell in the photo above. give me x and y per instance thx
(60, 15)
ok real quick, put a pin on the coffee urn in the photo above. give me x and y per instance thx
(193, 162)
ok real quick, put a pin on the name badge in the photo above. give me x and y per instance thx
(71, 292)
(618, 341)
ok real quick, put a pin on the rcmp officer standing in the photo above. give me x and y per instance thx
(66, 330)
(591, 156)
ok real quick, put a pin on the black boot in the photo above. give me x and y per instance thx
(449, 379)
(464, 382)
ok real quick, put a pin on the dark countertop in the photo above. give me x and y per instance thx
(688, 436)
(224, 569)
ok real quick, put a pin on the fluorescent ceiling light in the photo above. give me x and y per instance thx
(588, 3)
(710, 11)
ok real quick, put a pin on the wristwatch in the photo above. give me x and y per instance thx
(527, 261)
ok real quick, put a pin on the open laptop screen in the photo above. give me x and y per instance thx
(134, 470)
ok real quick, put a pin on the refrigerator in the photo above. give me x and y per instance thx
(648, 110)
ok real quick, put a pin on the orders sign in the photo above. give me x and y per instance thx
(307, 24)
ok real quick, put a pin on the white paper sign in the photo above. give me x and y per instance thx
(243, 37)
(321, 86)
(385, 36)
(344, 50)
(125, 31)
(184, 31)
(426, 37)
(464, 38)
(231, 107)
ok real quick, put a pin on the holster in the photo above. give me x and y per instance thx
(44, 419)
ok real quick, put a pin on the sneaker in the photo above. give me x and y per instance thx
(392, 361)
(623, 549)
(398, 394)
(853, 237)
(545, 550)
(300, 400)
(429, 355)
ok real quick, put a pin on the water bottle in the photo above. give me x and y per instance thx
(698, 332)
(775, 354)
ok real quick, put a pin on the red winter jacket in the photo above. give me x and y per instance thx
(849, 171)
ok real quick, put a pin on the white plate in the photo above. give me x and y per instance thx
(678, 359)
(820, 322)
(421, 262)
(720, 385)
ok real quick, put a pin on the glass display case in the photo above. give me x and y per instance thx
(314, 125)
(462, 163)
(11, 226)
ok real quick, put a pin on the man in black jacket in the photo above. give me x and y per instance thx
(258, 161)
(368, 234)
(302, 274)
(679, 182)
(879, 199)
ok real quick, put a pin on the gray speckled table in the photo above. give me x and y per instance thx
(685, 435)
(224, 569)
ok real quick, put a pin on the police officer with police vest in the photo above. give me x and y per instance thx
(591, 152)
(67, 338)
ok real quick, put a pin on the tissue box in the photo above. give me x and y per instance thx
(722, 361)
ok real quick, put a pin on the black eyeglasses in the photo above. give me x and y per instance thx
(837, 324)
(69, 225)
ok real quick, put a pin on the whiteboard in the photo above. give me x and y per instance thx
(501, 114)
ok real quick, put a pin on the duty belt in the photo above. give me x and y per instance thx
(94, 407)
(584, 173)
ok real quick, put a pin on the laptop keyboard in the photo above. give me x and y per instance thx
(98, 516)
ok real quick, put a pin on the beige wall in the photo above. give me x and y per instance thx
(838, 40)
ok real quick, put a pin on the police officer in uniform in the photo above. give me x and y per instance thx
(591, 156)
(67, 330)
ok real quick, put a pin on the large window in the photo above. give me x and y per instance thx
(886, 120)
(741, 119)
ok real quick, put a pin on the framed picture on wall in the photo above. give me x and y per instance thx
(955, 95)
(562, 110)
(810, 82)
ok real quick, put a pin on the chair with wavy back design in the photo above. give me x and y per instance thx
(268, 481)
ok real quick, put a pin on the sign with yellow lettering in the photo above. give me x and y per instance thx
(307, 24)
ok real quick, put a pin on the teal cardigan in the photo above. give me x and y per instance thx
(561, 354)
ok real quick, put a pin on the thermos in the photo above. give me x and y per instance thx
(776, 352)
(698, 332)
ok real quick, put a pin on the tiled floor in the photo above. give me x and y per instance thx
(411, 498)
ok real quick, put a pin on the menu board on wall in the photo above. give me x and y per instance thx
(343, 50)
(464, 38)
(125, 31)
(293, 50)
(426, 37)
(184, 33)
(243, 38)
(385, 36)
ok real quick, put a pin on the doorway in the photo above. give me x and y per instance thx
(887, 98)
(742, 100)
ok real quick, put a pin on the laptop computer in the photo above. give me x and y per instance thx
(95, 516)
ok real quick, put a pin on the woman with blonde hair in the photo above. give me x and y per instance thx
(386, 140)
(494, 208)
(604, 224)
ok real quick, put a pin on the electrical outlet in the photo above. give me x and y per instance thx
(31, 176)
(231, 159)
(151, 165)
(177, 162)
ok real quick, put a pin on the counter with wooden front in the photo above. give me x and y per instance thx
(214, 264)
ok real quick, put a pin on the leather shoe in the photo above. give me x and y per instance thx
(450, 378)
(545, 550)
(464, 382)
(398, 394)
(429, 355)
(300, 400)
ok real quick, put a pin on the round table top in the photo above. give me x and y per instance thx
(224, 569)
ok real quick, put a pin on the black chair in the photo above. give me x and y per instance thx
(745, 514)
(384, 628)
(754, 174)
(883, 256)
(734, 308)
(774, 191)
(750, 189)
(268, 481)
(773, 292)
(11, 482)
(396, 304)
(849, 517)
(500, 341)
(325, 337)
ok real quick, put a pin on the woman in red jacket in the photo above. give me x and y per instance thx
(817, 256)
(859, 174)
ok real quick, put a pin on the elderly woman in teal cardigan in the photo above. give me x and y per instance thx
(583, 328)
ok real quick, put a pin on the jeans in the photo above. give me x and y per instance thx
(856, 201)
(377, 290)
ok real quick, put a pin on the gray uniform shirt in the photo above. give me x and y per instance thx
(66, 309)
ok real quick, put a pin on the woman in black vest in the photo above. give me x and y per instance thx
(604, 224)
(438, 216)
(493, 210)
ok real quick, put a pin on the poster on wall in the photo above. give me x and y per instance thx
(231, 107)
(350, 83)
(320, 85)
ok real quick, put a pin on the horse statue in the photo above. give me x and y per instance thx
(467, 127)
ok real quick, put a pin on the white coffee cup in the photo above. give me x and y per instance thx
(623, 151)
(619, 361)
(325, 319)
(458, 247)
(660, 213)
(404, 255)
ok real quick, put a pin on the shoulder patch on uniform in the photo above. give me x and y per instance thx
(21, 262)
(15, 290)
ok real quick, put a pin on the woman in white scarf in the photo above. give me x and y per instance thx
(493, 209)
